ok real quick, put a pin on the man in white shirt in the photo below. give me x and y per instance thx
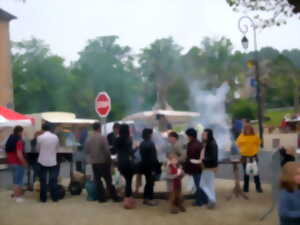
(47, 146)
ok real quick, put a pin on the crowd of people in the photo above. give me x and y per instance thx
(199, 160)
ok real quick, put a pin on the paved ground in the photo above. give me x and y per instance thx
(224, 171)
(75, 210)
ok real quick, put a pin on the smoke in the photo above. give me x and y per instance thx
(211, 106)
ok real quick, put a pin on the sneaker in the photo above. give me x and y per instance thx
(102, 201)
(197, 205)
(117, 199)
(259, 190)
(211, 205)
(19, 200)
(174, 211)
(150, 202)
(182, 209)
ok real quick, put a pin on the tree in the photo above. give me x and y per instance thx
(214, 63)
(159, 65)
(268, 12)
(286, 66)
(107, 66)
(37, 73)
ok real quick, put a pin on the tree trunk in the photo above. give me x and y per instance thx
(161, 97)
(296, 97)
(296, 93)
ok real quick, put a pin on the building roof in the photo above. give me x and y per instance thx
(6, 16)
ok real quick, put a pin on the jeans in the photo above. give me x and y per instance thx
(18, 172)
(48, 180)
(201, 197)
(36, 171)
(247, 180)
(149, 187)
(207, 183)
(103, 171)
(80, 166)
(128, 173)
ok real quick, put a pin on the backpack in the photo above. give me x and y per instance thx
(11, 143)
(91, 190)
(61, 192)
(75, 188)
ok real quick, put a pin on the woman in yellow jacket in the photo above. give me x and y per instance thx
(249, 144)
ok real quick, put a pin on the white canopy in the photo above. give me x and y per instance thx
(64, 117)
(171, 115)
(10, 118)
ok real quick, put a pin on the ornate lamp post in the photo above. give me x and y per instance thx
(243, 27)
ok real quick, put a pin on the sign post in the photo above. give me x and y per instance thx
(103, 107)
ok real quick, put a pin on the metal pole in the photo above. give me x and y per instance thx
(103, 124)
(244, 30)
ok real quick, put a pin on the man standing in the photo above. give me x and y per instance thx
(112, 137)
(98, 151)
(47, 145)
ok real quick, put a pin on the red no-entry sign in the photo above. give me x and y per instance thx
(103, 104)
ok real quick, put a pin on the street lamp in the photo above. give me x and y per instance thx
(245, 43)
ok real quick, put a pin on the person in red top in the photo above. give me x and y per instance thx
(15, 159)
(174, 176)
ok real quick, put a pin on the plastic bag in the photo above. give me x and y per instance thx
(251, 168)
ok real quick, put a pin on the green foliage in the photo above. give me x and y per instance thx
(276, 116)
(268, 12)
(243, 109)
(42, 82)
(37, 73)
(104, 65)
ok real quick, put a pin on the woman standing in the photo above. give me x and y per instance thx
(15, 158)
(193, 165)
(123, 147)
(289, 204)
(209, 159)
(149, 165)
(249, 144)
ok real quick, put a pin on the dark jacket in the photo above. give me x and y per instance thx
(111, 138)
(211, 151)
(149, 161)
(124, 151)
(284, 157)
(194, 149)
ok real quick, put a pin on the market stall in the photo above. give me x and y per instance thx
(8, 120)
(67, 127)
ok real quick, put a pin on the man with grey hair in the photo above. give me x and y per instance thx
(98, 152)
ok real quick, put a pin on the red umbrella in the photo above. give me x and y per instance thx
(10, 118)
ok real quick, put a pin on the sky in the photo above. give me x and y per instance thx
(67, 25)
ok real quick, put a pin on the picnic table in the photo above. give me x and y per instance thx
(237, 190)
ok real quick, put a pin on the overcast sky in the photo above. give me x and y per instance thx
(66, 25)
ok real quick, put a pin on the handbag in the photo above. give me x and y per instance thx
(252, 168)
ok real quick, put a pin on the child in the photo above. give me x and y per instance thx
(289, 204)
(174, 176)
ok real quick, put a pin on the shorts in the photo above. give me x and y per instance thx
(18, 174)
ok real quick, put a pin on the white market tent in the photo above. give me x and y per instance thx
(64, 117)
(171, 115)
(10, 118)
